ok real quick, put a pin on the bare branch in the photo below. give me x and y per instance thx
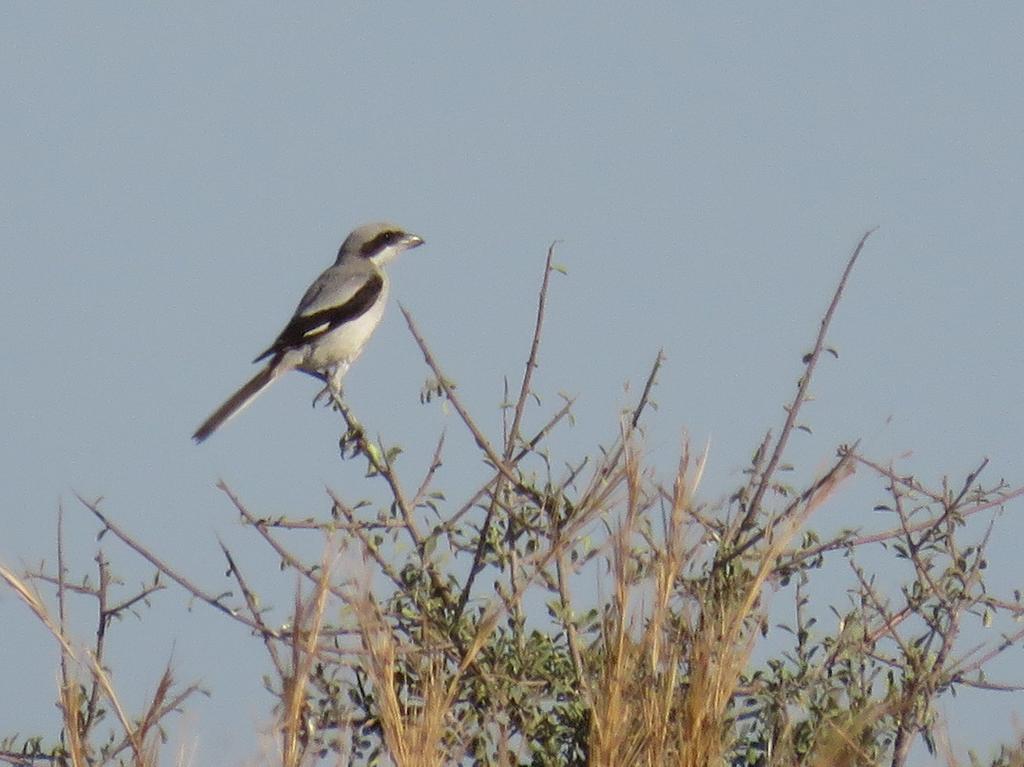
(801, 394)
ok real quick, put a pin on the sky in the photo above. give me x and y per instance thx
(174, 176)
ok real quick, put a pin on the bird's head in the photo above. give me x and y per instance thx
(380, 242)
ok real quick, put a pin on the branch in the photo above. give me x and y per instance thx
(801, 393)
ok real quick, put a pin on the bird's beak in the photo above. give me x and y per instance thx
(413, 241)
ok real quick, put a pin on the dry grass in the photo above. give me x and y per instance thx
(85, 687)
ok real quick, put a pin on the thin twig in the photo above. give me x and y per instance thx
(474, 499)
(851, 540)
(382, 465)
(801, 394)
(512, 437)
(250, 602)
(166, 569)
(428, 477)
(808, 500)
(482, 442)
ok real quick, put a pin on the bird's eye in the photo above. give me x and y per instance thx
(381, 241)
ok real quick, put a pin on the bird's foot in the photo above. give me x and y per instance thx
(332, 386)
(324, 393)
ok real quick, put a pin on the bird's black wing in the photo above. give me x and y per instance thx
(305, 327)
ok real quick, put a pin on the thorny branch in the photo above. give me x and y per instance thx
(754, 504)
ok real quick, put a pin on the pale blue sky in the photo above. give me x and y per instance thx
(174, 177)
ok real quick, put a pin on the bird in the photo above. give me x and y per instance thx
(333, 321)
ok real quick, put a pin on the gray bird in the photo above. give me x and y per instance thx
(332, 322)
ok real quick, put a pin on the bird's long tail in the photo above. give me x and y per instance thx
(237, 401)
